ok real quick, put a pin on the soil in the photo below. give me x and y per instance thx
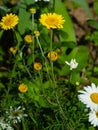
(79, 19)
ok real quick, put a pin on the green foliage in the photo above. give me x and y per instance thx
(60, 8)
(96, 7)
(51, 99)
(25, 22)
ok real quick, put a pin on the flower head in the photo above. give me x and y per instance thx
(53, 56)
(9, 21)
(73, 64)
(16, 114)
(37, 33)
(52, 20)
(28, 38)
(22, 88)
(13, 50)
(89, 96)
(32, 10)
(5, 126)
(37, 66)
(93, 118)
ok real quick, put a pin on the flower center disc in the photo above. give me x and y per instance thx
(94, 97)
(97, 114)
(51, 21)
(8, 22)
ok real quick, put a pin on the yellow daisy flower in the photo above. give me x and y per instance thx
(32, 10)
(9, 21)
(37, 66)
(52, 56)
(28, 38)
(52, 20)
(22, 88)
(36, 33)
(13, 50)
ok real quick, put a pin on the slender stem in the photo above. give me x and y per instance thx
(51, 62)
(43, 57)
(33, 49)
(14, 67)
(23, 124)
(55, 85)
(32, 21)
(23, 47)
(53, 5)
(44, 94)
(27, 69)
(32, 33)
(11, 77)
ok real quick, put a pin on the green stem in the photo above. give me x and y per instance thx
(51, 62)
(32, 33)
(43, 57)
(55, 85)
(33, 49)
(43, 90)
(27, 69)
(14, 67)
(23, 124)
(53, 5)
(33, 21)
(11, 77)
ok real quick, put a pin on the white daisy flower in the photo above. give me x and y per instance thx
(93, 118)
(73, 64)
(89, 96)
(5, 126)
(16, 114)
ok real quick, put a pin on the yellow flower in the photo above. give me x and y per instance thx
(52, 20)
(32, 10)
(37, 66)
(36, 33)
(9, 21)
(28, 38)
(53, 56)
(22, 88)
(13, 50)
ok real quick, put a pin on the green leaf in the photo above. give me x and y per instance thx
(24, 21)
(85, 5)
(1, 86)
(64, 71)
(35, 93)
(96, 7)
(80, 53)
(1, 33)
(19, 38)
(75, 77)
(93, 23)
(94, 37)
(69, 44)
(28, 1)
(29, 60)
(93, 80)
(60, 8)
